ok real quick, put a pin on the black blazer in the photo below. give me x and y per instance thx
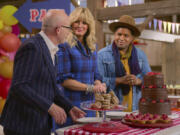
(32, 91)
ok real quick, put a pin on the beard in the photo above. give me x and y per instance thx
(123, 47)
(120, 48)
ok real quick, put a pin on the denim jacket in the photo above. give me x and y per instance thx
(106, 66)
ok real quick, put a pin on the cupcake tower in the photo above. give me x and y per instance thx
(105, 101)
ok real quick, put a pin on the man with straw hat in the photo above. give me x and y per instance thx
(122, 65)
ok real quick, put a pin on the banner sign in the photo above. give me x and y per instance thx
(30, 14)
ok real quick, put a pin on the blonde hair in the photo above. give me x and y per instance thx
(85, 15)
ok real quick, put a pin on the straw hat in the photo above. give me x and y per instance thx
(127, 22)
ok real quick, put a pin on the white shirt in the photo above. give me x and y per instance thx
(51, 46)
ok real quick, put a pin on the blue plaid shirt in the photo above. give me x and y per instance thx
(78, 64)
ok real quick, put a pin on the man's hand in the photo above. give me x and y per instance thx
(129, 80)
(133, 80)
(122, 80)
(57, 113)
(76, 113)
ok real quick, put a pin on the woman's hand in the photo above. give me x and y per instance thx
(100, 87)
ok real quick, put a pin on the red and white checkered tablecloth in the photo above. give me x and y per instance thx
(131, 131)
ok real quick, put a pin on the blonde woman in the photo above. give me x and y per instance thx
(77, 68)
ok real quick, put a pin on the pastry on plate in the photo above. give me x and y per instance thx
(96, 105)
(99, 97)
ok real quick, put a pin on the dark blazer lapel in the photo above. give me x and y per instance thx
(47, 57)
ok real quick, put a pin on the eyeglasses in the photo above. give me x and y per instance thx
(68, 27)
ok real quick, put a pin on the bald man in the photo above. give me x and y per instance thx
(34, 96)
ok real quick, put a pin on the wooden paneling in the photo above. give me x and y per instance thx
(177, 61)
(170, 62)
(93, 5)
(165, 55)
(153, 51)
(167, 7)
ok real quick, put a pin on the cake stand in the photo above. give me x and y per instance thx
(104, 126)
(87, 106)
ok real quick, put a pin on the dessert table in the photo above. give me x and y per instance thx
(173, 130)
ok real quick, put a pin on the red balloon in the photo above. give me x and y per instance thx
(9, 42)
(4, 85)
(8, 54)
(1, 34)
(15, 29)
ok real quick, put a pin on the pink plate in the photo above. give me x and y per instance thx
(105, 127)
(156, 125)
